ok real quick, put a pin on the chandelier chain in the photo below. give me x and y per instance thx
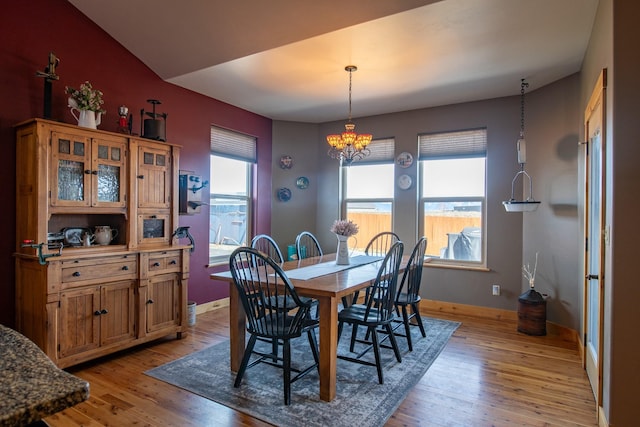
(350, 77)
(523, 85)
(349, 145)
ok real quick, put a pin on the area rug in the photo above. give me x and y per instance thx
(360, 400)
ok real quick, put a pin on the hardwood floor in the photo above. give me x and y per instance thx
(488, 375)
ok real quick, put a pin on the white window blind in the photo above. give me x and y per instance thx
(234, 145)
(381, 151)
(466, 143)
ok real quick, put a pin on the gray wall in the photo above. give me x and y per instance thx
(599, 55)
(613, 45)
(552, 123)
(298, 140)
(552, 131)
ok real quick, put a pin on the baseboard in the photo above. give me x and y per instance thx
(602, 418)
(565, 333)
(468, 310)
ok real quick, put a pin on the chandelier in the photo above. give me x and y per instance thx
(349, 145)
(529, 204)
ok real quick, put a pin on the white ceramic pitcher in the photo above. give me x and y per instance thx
(86, 118)
(104, 234)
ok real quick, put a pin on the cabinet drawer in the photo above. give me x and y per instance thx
(165, 262)
(90, 271)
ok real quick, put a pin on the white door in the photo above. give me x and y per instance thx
(595, 236)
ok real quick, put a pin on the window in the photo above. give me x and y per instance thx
(232, 157)
(368, 192)
(453, 194)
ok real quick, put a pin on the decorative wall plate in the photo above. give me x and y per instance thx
(404, 182)
(404, 159)
(286, 162)
(284, 194)
(302, 182)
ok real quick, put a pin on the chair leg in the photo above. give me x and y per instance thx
(418, 319)
(354, 336)
(245, 360)
(313, 342)
(394, 343)
(286, 364)
(376, 352)
(407, 331)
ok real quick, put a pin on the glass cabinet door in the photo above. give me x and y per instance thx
(71, 174)
(108, 173)
(87, 172)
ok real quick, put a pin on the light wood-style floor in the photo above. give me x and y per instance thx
(488, 375)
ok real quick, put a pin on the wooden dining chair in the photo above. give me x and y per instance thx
(408, 294)
(266, 244)
(307, 245)
(379, 245)
(376, 313)
(261, 288)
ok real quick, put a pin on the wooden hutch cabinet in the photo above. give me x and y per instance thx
(85, 301)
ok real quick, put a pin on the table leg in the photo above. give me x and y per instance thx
(236, 328)
(328, 346)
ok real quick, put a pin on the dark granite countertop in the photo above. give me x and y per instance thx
(31, 385)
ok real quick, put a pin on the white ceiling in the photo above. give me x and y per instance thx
(285, 59)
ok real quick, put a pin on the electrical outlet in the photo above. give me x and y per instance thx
(495, 290)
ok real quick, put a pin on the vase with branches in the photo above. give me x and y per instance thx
(529, 274)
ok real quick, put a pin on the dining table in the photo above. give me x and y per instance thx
(316, 277)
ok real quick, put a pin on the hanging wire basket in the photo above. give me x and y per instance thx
(527, 205)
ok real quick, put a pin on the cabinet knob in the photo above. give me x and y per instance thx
(125, 267)
(76, 274)
(173, 262)
(156, 264)
(140, 176)
(94, 172)
(96, 313)
(87, 171)
(104, 311)
(150, 301)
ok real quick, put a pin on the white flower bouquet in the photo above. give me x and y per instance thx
(85, 98)
(344, 227)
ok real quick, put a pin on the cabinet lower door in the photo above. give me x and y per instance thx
(79, 329)
(163, 303)
(117, 312)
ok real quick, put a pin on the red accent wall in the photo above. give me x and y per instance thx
(29, 30)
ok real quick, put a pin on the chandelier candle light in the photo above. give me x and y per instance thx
(349, 145)
(343, 229)
(530, 204)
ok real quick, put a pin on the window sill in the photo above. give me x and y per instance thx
(431, 264)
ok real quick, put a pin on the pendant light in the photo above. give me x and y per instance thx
(529, 204)
(349, 145)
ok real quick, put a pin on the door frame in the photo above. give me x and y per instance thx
(598, 97)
